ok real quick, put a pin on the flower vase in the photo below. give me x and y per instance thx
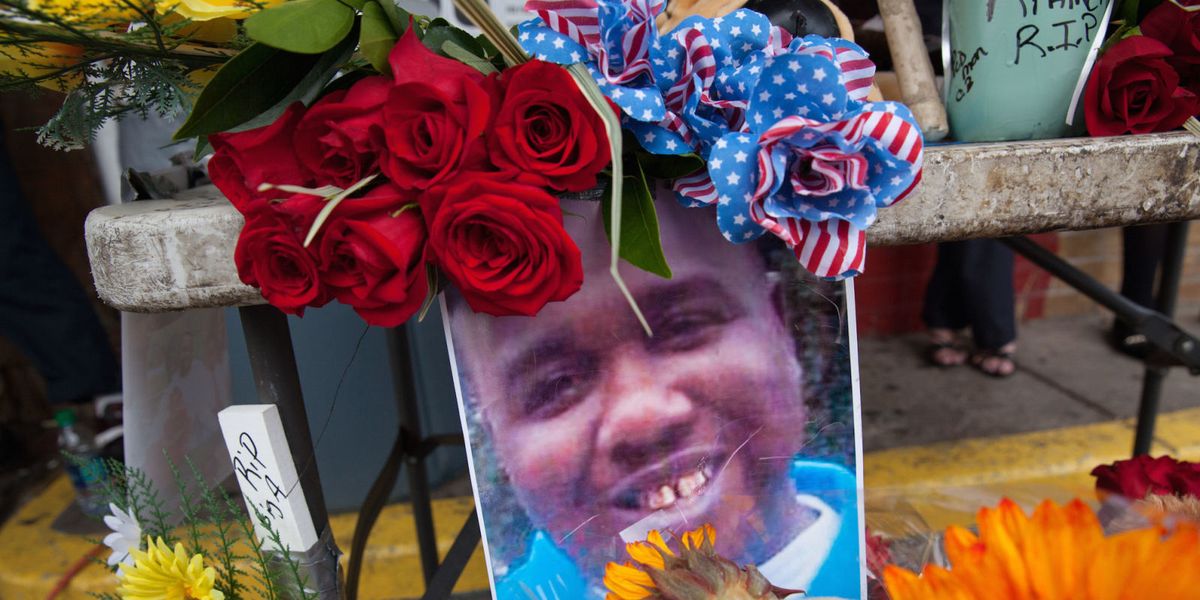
(1015, 65)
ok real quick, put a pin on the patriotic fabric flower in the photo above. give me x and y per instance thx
(815, 164)
(791, 146)
(613, 37)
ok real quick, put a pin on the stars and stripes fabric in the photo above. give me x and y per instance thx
(792, 147)
(813, 169)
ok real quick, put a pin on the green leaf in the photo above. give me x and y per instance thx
(398, 17)
(377, 37)
(464, 56)
(257, 85)
(641, 245)
(1127, 11)
(302, 26)
(489, 49)
(669, 166)
(440, 31)
(202, 148)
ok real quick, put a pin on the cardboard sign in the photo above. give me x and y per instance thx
(266, 474)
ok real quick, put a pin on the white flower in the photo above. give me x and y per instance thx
(126, 536)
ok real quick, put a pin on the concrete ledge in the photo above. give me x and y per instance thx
(170, 255)
(1011, 188)
(161, 255)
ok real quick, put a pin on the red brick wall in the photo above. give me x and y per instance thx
(890, 293)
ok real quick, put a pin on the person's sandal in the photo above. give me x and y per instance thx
(933, 349)
(979, 357)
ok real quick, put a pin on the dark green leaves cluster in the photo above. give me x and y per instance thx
(301, 46)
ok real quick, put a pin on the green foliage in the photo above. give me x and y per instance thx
(465, 56)
(641, 245)
(440, 31)
(377, 37)
(257, 83)
(302, 26)
(141, 71)
(668, 166)
(213, 524)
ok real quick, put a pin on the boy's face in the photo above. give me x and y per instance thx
(599, 426)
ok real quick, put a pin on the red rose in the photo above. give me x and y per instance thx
(269, 256)
(1137, 477)
(434, 117)
(1179, 29)
(243, 160)
(385, 197)
(1185, 479)
(340, 138)
(502, 244)
(376, 264)
(546, 130)
(1133, 90)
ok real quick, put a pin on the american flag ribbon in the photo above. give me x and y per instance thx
(792, 148)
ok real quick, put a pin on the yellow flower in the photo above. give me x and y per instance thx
(160, 574)
(101, 13)
(40, 60)
(206, 10)
(1060, 553)
(693, 571)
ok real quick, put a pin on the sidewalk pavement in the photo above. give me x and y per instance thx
(1067, 375)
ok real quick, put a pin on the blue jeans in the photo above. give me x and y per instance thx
(44, 310)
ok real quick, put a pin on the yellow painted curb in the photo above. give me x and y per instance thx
(932, 486)
(946, 483)
(33, 556)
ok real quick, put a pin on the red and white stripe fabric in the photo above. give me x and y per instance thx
(831, 249)
(580, 21)
(697, 187)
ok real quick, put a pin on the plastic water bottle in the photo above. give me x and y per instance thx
(83, 463)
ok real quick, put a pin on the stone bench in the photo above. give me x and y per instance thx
(163, 255)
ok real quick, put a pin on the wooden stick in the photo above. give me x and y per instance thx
(913, 69)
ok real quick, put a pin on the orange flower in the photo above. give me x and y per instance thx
(1060, 553)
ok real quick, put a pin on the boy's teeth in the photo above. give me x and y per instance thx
(690, 484)
(662, 498)
(686, 487)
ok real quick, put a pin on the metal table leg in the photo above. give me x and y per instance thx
(400, 353)
(1174, 346)
(1156, 372)
(273, 363)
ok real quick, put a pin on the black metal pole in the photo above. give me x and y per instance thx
(442, 584)
(400, 353)
(1098, 292)
(273, 363)
(1168, 293)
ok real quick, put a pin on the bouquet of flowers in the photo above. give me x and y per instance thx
(379, 156)
(1148, 78)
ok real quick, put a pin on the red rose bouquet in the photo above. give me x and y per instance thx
(436, 165)
(378, 156)
(1148, 78)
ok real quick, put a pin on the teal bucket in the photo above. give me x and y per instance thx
(1015, 64)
